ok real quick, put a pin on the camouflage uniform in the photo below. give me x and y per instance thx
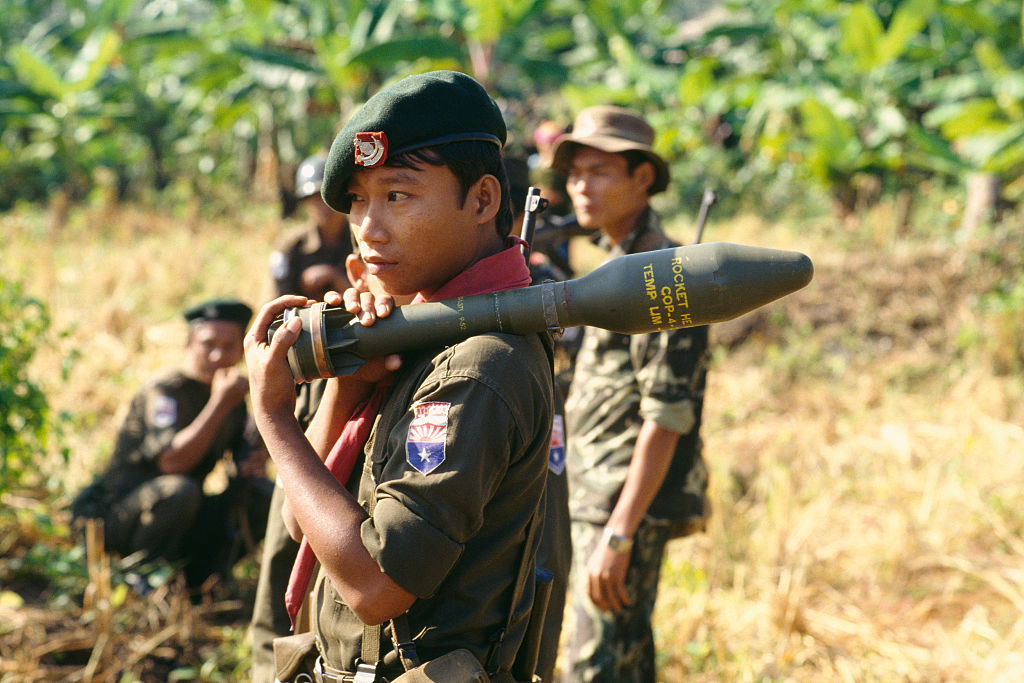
(616, 646)
(167, 515)
(621, 380)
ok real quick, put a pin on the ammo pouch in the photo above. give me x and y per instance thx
(458, 666)
(294, 658)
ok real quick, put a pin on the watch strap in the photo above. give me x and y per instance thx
(617, 542)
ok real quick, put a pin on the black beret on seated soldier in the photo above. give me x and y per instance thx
(230, 310)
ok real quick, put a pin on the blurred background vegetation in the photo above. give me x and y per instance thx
(869, 518)
(762, 100)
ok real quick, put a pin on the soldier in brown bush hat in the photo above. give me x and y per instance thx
(615, 130)
(636, 474)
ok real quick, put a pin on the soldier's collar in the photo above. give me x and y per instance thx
(645, 220)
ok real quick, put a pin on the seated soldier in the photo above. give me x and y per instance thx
(177, 429)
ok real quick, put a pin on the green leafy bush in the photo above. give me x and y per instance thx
(25, 419)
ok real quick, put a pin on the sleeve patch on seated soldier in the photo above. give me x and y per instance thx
(165, 411)
(428, 431)
(556, 458)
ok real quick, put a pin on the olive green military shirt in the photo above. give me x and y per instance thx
(621, 380)
(457, 462)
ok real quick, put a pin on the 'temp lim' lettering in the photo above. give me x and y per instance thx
(669, 297)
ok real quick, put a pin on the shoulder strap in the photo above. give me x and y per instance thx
(400, 634)
(523, 576)
(493, 664)
(370, 651)
(369, 654)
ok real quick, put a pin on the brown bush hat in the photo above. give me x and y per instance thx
(611, 129)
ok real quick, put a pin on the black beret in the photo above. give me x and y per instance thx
(230, 310)
(418, 111)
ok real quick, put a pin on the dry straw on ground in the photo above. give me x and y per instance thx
(865, 469)
(866, 475)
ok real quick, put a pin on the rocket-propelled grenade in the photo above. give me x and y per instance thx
(639, 293)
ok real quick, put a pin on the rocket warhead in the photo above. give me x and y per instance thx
(634, 294)
(683, 287)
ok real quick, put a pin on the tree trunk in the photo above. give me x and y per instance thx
(982, 192)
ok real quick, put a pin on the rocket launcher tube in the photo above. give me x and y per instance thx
(639, 293)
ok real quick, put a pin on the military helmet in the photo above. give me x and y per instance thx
(310, 175)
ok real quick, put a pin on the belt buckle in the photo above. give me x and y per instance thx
(365, 673)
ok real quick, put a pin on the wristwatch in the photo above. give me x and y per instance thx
(617, 542)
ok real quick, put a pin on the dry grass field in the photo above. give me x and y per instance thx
(864, 436)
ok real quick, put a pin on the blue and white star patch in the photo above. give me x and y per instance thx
(428, 431)
(556, 457)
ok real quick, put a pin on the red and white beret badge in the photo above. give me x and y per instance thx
(371, 148)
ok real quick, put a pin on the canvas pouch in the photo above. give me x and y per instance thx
(294, 658)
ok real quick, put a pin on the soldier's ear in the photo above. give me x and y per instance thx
(644, 176)
(355, 269)
(486, 197)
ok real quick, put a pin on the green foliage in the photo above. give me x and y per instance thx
(61, 569)
(758, 99)
(840, 91)
(998, 332)
(25, 420)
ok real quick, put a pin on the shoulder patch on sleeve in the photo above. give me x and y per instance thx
(164, 411)
(556, 457)
(428, 432)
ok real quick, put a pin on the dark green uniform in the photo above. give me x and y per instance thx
(620, 381)
(457, 462)
(555, 551)
(269, 616)
(167, 515)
